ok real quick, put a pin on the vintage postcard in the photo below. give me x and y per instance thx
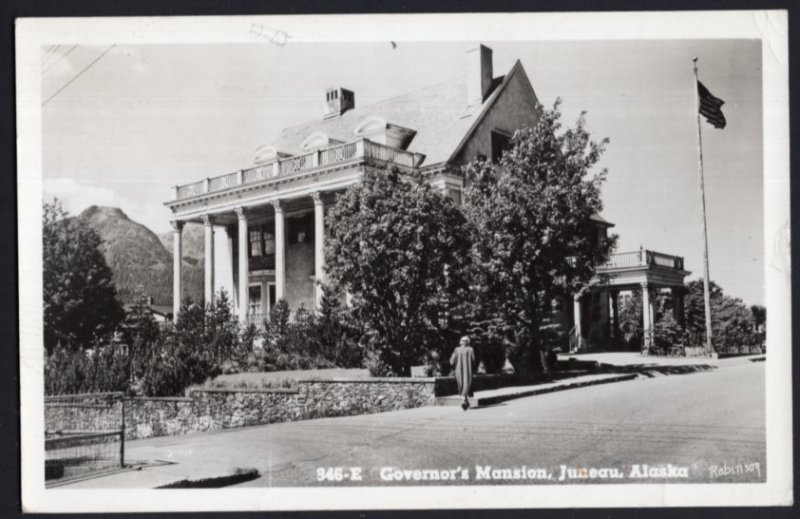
(404, 261)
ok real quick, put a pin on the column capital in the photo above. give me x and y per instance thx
(278, 205)
(208, 220)
(177, 225)
(241, 213)
(317, 197)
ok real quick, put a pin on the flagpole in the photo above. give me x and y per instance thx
(706, 293)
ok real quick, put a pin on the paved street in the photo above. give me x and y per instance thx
(708, 424)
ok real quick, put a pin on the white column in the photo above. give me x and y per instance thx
(319, 247)
(244, 266)
(647, 317)
(230, 232)
(177, 252)
(209, 258)
(280, 253)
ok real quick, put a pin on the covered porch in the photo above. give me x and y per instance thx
(596, 310)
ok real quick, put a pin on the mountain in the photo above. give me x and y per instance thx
(193, 242)
(138, 258)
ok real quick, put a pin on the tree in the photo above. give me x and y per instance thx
(140, 333)
(732, 323)
(531, 219)
(80, 301)
(335, 332)
(630, 321)
(399, 247)
(759, 317)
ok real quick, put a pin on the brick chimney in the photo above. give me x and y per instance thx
(338, 101)
(479, 74)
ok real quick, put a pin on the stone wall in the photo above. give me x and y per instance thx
(214, 409)
(342, 397)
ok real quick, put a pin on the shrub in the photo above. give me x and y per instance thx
(105, 368)
(668, 337)
(375, 364)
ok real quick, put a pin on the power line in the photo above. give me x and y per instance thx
(79, 74)
(60, 58)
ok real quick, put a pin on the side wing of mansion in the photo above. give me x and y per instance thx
(264, 224)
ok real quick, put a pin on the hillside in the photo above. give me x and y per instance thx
(137, 257)
(193, 242)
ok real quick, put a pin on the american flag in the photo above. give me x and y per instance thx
(710, 107)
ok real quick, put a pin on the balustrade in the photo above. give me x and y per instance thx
(641, 258)
(364, 149)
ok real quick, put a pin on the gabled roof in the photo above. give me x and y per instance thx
(438, 113)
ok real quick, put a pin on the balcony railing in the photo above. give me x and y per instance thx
(643, 258)
(361, 149)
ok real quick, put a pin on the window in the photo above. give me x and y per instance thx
(501, 142)
(301, 229)
(256, 249)
(254, 294)
(269, 243)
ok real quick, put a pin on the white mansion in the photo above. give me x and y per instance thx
(264, 224)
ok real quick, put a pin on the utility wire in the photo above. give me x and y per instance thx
(59, 59)
(79, 74)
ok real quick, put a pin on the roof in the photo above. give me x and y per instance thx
(599, 219)
(438, 113)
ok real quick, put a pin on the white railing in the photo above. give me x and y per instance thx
(360, 149)
(388, 154)
(257, 174)
(337, 154)
(643, 258)
(297, 163)
(193, 189)
(223, 182)
(626, 259)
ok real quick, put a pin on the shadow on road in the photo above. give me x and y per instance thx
(652, 370)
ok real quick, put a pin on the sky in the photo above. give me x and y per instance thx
(121, 130)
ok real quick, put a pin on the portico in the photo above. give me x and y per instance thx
(596, 310)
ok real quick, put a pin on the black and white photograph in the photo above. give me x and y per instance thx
(409, 261)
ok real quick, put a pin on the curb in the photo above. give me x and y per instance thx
(492, 400)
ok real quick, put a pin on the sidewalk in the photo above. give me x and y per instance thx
(496, 396)
(623, 358)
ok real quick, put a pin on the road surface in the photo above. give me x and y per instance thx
(705, 426)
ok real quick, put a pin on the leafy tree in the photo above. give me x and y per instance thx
(80, 302)
(630, 321)
(399, 247)
(759, 316)
(534, 238)
(732, 323)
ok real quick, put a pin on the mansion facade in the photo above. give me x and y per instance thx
(265, 223)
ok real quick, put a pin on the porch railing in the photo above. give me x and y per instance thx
(361, 149)
(643, 258)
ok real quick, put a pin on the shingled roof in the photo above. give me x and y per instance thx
(439, 114)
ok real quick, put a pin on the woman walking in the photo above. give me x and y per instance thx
(462, 360)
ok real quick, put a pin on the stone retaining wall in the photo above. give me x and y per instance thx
(214, 409)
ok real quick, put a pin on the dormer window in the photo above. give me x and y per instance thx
(267, 154)
(377, 129)
(318, 140)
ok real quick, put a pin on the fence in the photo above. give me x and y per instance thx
(84, 434)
